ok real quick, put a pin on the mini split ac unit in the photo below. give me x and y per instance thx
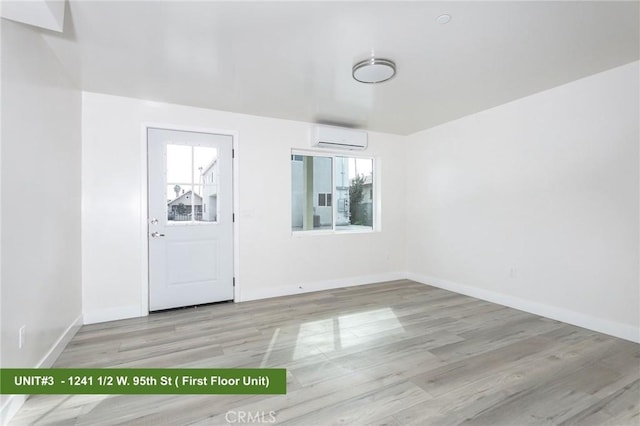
(338, 138)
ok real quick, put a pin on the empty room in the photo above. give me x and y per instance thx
(451, 234)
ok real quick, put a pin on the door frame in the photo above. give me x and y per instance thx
(144, 205)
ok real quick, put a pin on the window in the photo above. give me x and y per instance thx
(191, 190)
(317, 180)
(324, 200)
(310, 182)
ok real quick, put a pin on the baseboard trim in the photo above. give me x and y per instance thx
(14, 402)
(50, 358)
(112, 314)
(310, 287)
(600, 325)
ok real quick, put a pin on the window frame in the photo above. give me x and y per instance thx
(193, 185)
(376, 205)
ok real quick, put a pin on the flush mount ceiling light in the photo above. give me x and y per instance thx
(443, 19)
(374, 70)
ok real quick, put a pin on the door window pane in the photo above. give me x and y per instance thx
(207, 211)
(206, 164)
(180, 201)
(192, 184)
(204, 161)
(179, 163)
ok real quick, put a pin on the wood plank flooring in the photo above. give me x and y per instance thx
(396, 353)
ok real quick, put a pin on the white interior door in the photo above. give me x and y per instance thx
(190, 224)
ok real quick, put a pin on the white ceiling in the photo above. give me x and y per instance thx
(293, 59)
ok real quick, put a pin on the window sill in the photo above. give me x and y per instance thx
(360, 230)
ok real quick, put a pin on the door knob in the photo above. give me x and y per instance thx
(156, 234)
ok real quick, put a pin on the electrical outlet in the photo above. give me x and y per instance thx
(22, 334)
(513, 272)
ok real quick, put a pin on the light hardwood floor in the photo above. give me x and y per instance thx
(395, 353)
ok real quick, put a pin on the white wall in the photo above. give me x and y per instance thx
(41, 111)
(535, 204)
(271, 261)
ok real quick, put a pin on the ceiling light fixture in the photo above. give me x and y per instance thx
(443, 19)
(374, 70)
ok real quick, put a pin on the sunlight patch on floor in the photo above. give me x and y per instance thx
(344, 331)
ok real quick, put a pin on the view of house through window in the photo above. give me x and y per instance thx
(331, 192)
(192, 176)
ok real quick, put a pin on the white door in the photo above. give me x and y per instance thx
(190, 218)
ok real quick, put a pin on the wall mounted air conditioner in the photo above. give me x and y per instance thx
(338, 138)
